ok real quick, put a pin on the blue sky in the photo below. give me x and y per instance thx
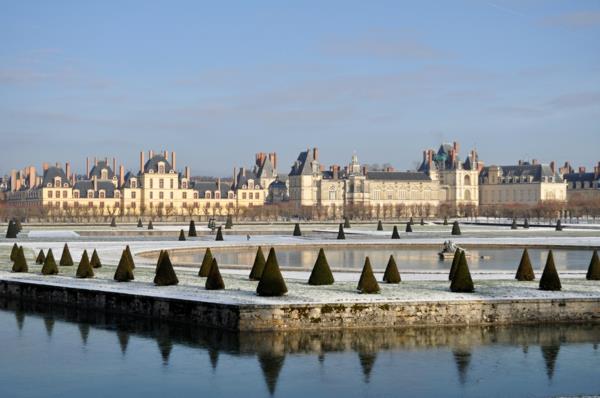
(219, 81)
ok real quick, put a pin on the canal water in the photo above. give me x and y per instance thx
(69, 353)
(407, 259)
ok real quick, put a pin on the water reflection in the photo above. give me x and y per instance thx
(462, 356)
(408, 259)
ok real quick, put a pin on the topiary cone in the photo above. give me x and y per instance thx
(559, 225)
(526, 224)
(206, 263)
(139, 224)
(259, 265)
(12, 230)
(84, 270)
(150, 225)
(550, 279)
(40, 257)
(525, 270)
(95, 261)
(124, 272)
(593, 272)
(462, 282)
(65, 258)
(391, 274)
(297, 231)
(219, 234)
(49, 267)
(129, 257)
(165, 274)
(395, 234)
(181, 235)
(271, 282)
(341, 234)
(113, 222)
(408, 227)
(13, 252)
(214, 280)
(454, 264)
(192, 229)
(455, 228)
(367, 283)
(321, 273)
(514, 224)
(379, 225)
(445, 220)
(20, 263)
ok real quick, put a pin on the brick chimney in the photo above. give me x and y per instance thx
(87, 167)
(95, 161)
(150, 154)
(95, 180)
(45, 166)
(121, 175)
(316, 153)
(364, 170)
(32, 179)
(234, 176)
(173, 160)
(597, 170)
(68, 169)
(581, 169)
(553, 167)
(166, 154)
(114, 168)
(534, 162)
(219, 184)
(187, 172)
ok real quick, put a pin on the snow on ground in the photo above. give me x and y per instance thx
(55, 233)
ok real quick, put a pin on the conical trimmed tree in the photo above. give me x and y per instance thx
(422, 221)
(395, 234)
(525, 270)
(514, 224)
(84, 270)
(462, 282)
(49, 267)
(550, 279)
(181, 235)
(559, 225)
(347, 222)
(228, 222)
(445, 220)
(321, 273)
(259, 265)
(95, 261)
(165, 274)
(129, 257)
(214, 280)
(455, 228)
(593, 272)
(454, 264)
(271, 282)
(219, 236)
(124, 272)
(206, 263)
(65, 259)
(13, 252)
(367, 283)
(379, 225)
(18, 225)
(297, 231)
(526, 223)
(150, 225)
(40, 257)
(113, 222)
(391, 274)
(20, 263)
(139, 224)
(192, 229)
(408, 227)
(341, 234)
(12, 230)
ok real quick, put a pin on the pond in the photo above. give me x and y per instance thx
(407, 259)
(70, 353)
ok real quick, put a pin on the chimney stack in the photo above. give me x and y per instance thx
(274, 161)
(32, 179)
(121, 175)
(553, 167)
(95, 184)
(234, 176)
(114, 165)
(141, 161)
(219, 184)
(13, 180)
(173, 160)
(243, 171)
(95, 161)
(597, 171)
(534, 162)
(45, 166)
(150, 154)
(68, 169)
(187, 172)
(364, 170)
(87, 167)
(316, 153)
(581, 169)
(166, 155)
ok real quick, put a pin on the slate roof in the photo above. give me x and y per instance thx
(85, 185)
(537, 171)
(97, 170)
(152, 164)
(398, 176)
(581, 177)
(202, 186)
(51, 173)
(302, 165)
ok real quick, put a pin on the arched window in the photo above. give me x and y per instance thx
(161, 168)
(90, 194)
(57, 182)
(217, 195)
(195, 195)
(184, 185)
(102, 194)
(76, 194)
(467, 194)
(133, 184)
(104, 174)
(467, 180)
(207, 195)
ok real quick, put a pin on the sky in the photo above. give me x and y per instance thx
(219, 81)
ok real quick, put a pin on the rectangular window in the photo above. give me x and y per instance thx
(171, 195)
(244, 195)
(151, 195)
(161, 183)
(65, 194)
(151, 183)
(49, 194)
(171, 184)
(133, 195)
(161, 195)
(184, 195)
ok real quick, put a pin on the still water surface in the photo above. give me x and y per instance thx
(69, 353)
(413, 259)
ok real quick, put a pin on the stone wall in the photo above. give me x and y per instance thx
(249, 317)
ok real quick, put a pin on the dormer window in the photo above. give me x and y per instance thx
(117, 194)
(207, 194)
(195, 195)
(184, 185)
(57, 182)
(76, 194)
(217, 195)
(161, 168)
(90, 194)
(104, 174)
(230, 195)
(102, 194)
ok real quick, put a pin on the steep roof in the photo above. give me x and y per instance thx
(536, 171)
(302, 165)
(202, 186)
(97, 170)
(581, 177)
(266, 170)
(398, 176)
(152, 164)
(51, 173)
(86, 185)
